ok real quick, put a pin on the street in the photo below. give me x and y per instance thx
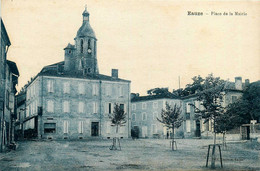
(141, 154)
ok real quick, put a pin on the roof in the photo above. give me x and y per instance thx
(5, 33)
(69, 46)
(13, 67)
(231, 86)
(52, 70)
(154, 97)
(86, 30)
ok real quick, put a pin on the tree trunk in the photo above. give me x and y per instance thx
(224, 139)
(173, 132)
(213, 159)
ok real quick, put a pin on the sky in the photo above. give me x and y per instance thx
(151, 42)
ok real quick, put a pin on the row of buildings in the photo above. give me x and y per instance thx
(146, 110)
(72, 100)
(8, 80)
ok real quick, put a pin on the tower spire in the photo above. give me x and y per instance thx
(85, 14)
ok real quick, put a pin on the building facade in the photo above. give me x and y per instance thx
(8, 80)
(195, 127)
(146, 110)
(71, 100)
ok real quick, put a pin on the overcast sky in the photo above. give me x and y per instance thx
(150, 42)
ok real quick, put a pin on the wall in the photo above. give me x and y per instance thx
(74, 115)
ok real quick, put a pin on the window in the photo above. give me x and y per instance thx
(66, 106)
(202, 125)
(187, 125)
(197, 104)
(81, 88)
(133, 106)
(50, 106)
(109, 108)
(66, 87)
(233, 98)
(122, 107)
(49, 127)
(81, 107)
(155, 105)
(94, 89)
(155, 115)
(65, 127)
(81, 46)
(80, 127)
(50, 86)
(188, 107)
(108, 90)
(144, 117)
(143, 105)
(7, 98)
(95, 107)
(133, 116)
(89, 46)
(120, 91)
(108, 127)
(154, 129)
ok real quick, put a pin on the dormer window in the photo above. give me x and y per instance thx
(81, 46)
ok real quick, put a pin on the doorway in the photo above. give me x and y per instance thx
(94, 128)
(197, 131)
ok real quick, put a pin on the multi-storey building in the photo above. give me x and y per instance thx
(8, 80)
(20, 100)
(195, 127)
(146, 110)
(71, 100)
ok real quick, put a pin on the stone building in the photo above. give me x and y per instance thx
(71, 100)
(8, 80)
(146, 110)
(20, 100)
(195, 127)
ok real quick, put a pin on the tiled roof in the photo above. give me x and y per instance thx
(231, 86)
(153, 97)
(51, 70)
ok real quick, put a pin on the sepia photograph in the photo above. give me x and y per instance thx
(129, 85)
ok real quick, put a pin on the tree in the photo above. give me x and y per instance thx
(196, 86)
(251, 102)
(118, 118)
(211, 99)
(159, 91)
(227, 121)
(170, 117)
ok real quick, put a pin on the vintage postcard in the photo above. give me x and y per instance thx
(129, 85)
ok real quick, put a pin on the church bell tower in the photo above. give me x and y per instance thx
(85, 52)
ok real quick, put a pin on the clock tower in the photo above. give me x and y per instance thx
(85, 53)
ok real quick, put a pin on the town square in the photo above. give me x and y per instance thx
(117, 85)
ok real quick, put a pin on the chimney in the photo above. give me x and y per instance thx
(114, 73)
(247, 82)
(238, 83)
